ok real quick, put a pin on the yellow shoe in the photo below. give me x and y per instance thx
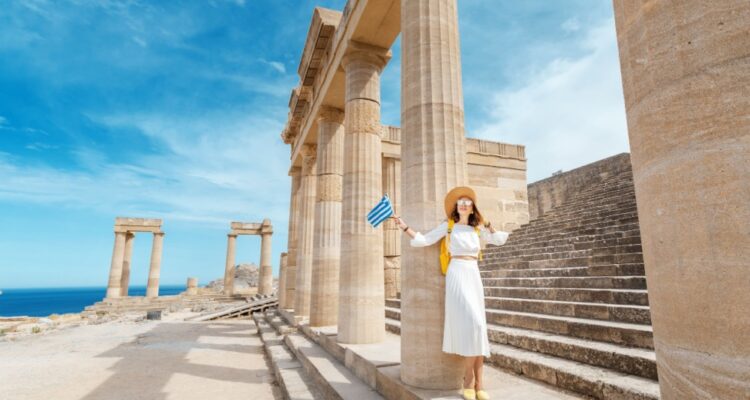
(482, 395)
(470, 394)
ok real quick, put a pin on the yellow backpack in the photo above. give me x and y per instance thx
(445, 255)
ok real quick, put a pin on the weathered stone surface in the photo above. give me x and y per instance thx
(686, 79)
(433, 161)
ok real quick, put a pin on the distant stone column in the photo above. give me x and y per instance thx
(361, 291)
(265, 280)
(433, 160)
(192, 286)
(229, 267)
(391, 233)
(282, 280)
(115, 269)
(686, 79)
(292, 240)
(324, 298)
(306, 230)
(126, 261)
(152, 289)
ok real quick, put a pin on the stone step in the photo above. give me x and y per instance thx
(632, 335)
(584, 295)
(633, 269)
(613, 217)
(634, 361)
(393, 313)
(597, 229)
(597, 382)
(394, 303)
(291, 377)
(334, 380)
(563, 251)
(628, 360)
(600, 370)
(604, 312)
(588, 282)
(515, 263)
(564, 243)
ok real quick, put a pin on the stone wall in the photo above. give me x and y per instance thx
(555, 190)
(497, 172)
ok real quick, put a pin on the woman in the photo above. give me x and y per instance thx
(465, 330)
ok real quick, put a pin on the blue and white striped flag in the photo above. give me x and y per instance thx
(381, 212)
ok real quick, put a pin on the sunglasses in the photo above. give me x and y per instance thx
(464, 202)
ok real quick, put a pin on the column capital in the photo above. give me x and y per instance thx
(309, 158)
(232, 235)
(331, 114)
(309, 150)
(358, 51)
(158, 233)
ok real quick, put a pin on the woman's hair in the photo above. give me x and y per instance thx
(475, 218)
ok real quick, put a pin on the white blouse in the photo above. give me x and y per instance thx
(464, 240)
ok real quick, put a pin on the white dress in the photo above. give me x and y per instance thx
(465, 330)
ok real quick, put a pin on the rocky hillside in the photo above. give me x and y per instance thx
(245, 276)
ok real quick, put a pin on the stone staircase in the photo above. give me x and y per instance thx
(566, 297)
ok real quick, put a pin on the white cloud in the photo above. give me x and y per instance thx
(568, 114)
(278, 66)
(3, 121)
(216, 168)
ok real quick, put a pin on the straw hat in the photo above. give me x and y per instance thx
(456, 193)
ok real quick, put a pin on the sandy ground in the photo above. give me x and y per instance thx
(169, 359)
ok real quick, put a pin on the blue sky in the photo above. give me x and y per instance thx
(173, 110)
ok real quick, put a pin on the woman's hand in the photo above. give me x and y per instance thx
(399, 222)
(488, 225)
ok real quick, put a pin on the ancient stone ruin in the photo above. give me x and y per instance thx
(119, 271)
(567, 296)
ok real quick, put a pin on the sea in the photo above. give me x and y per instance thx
(41, 302)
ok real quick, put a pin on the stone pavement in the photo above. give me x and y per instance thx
(147, 360)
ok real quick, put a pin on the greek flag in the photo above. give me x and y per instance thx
(381, 212)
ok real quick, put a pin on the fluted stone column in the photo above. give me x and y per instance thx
(361, 291)
(265, 281)
(229, 266)
(391, 233)
(324, 298)
(432, 162)
(306, 231)
(686, 78)
(126, 261)
(115, 269)
(292, 240)
(154, 271)
(282, 280)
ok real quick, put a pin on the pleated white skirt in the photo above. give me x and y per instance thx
(465, 331)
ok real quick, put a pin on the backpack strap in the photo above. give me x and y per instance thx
(448, 234)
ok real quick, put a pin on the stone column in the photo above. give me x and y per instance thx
(324, 297)
(192, 287)
(686, 79)
(282, 280)
(152, 289)
(306, 230)
(391, 233)
(293, 232)
(229, 266)
(265, 280)
(126, 261)
(361, 292)
(433, 160)
(115, 269)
